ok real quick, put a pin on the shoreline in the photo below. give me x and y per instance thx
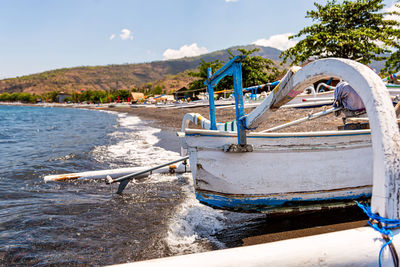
(165, 118)
(276, 229)
(280, 228)
(171, 119)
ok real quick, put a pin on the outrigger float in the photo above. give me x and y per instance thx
(238, 169)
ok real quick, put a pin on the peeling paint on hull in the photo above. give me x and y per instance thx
(284, 203)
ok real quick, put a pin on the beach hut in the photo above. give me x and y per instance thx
(136, 96)
(185, 93)
(62, 96)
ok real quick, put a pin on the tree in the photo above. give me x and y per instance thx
(124, 94)
(392, 64)
(157, 90)
(352, 29)
(201, 73)
(5, 96)
(51, 96)
(255, 70)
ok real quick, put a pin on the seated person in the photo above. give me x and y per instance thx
(346, 97)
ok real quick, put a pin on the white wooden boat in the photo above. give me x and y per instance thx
(284, 172)
(238, 169)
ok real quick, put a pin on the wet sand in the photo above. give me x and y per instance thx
(317, 230)
(274, 229)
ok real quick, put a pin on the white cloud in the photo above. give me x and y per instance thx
(391, 9)
(231, 1)
(185, 51)
(393, 17)
(279, 41)
(126, 34)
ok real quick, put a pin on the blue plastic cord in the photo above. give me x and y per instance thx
(384, 230)
(242, 122)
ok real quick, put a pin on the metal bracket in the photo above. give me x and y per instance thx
(237, 148)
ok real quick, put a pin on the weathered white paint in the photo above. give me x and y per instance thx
(380, 110)
(385, 131)
(283, 166)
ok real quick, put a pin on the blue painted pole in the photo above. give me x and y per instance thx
(211, 100)
(240, 113)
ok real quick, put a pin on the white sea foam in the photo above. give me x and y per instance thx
(134, 145)
(194, 225)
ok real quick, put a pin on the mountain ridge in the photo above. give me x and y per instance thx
(170, 74)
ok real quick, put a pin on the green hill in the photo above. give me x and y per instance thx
(117, 77)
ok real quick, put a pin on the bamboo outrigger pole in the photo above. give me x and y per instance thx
(309, 117)
(124, 180)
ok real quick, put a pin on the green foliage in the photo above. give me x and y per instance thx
(50, 97)
(157, 90)
(97, 95)
(392, 64)
(255, 70)
(75, 97)
(89, 96)
(5, 97)
(123, 94)
(349, 29)
(18, 97)
(202, 73)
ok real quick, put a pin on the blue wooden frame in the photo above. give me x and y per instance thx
(232, 68)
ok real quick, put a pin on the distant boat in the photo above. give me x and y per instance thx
(236, 169)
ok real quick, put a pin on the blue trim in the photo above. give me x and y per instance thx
(232, 68)
(274, 83)
(213, 121)
(266, 137)
(224, 71)
(265, 203)
(239, 103)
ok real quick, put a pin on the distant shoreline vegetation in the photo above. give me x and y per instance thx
(76, 97)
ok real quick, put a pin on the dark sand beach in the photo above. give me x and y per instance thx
(172, 118)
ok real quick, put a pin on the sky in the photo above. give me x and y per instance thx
(40, 35)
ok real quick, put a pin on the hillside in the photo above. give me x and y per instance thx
(117, 77)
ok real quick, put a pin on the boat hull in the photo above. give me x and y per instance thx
(284, 173)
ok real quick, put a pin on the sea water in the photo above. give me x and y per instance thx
(85, 222)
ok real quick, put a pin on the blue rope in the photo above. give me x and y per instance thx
(242, 122)
(377, 222)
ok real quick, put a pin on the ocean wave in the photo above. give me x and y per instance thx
(133, 145)
(193, 228)
(66, 157)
